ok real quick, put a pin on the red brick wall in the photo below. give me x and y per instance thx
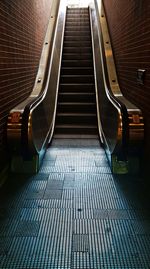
(23, 26)
(129, 26)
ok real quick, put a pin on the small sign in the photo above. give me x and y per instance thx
(136, 118)
(141, 76)
(15, 117)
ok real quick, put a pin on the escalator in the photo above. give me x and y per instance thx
(76, 107)
(76, 94)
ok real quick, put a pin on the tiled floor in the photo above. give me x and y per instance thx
(74, 214)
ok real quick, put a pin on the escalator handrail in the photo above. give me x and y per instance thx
(35, 103)
(121, 108)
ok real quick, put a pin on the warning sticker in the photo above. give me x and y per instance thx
(136, 118)
(15, 117)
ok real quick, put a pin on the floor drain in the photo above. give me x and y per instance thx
(79, 209)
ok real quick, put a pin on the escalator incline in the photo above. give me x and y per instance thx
(76, 107)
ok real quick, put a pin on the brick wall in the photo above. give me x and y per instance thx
(129, 26)
(23, 26)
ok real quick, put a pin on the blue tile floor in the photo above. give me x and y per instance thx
(74, 214)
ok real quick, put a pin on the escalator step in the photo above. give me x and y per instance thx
(77, 15)
(77, 38)
(77, 19)
(77, 12)
(77, 9)
(77, 49)
(76, 87)
(77, 27)
(77, 56)
(77, 63)
(77, 44)
(76, 107)
(77, 71)
(78, 24)
(76, 118)
(77, 79)
(76, 33)
(76, 129)
(76, 97)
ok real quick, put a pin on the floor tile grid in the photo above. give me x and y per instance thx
(81, 226)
